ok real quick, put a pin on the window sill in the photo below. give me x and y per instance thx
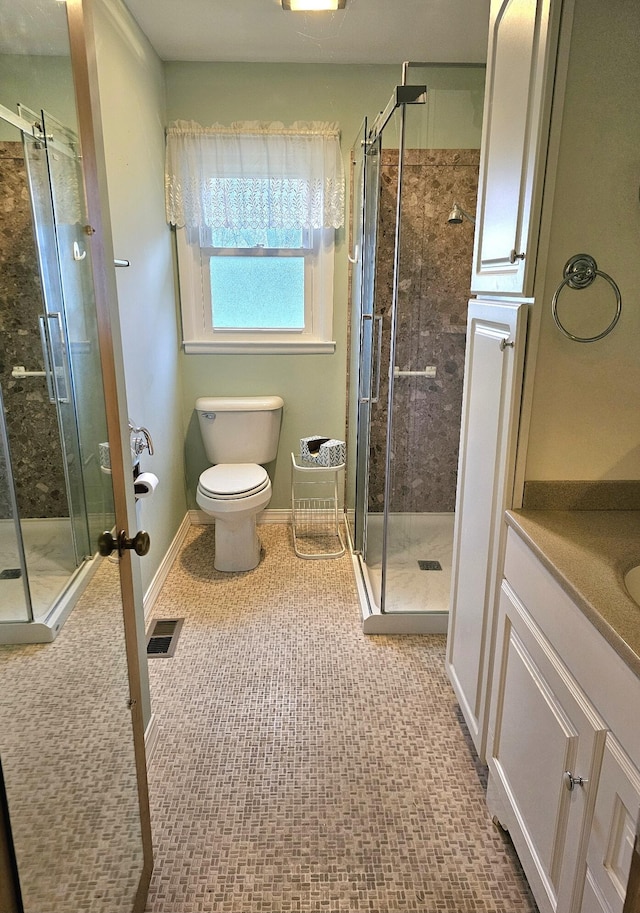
(259, 347)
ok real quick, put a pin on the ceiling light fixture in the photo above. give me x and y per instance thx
(297, 6)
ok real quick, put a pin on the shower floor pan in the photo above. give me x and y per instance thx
(55, 584)
(419, 557)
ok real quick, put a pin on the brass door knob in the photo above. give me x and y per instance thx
(140, 544)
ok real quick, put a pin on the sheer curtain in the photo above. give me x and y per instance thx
(254, 175)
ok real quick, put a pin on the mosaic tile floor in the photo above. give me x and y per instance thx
(66, 745)
(303, 766)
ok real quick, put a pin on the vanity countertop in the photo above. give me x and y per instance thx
(588, 552)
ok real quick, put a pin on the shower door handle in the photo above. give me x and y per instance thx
(363, 399)
(375, 398)
(47, 360)
(375, 368)
(60, 371)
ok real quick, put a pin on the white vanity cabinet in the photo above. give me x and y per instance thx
(562, 750)
(544, 731)
(613, 829)
(521, 67)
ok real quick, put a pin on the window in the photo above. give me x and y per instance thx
(256, 214)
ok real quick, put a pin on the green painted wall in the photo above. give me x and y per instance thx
(312, 386)
(131, 83)
(587, 396)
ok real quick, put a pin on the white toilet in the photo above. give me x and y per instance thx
(239, 433)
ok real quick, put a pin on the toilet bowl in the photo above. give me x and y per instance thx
(235, 493)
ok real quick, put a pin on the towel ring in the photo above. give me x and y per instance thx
(579, 272)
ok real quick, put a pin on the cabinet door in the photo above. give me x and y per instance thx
(490, 412)
(523, 37)
(543, 731)
(612, 833)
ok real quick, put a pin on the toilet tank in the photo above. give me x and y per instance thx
(240, 429)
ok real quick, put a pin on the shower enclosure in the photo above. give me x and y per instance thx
(410, 277)
(54, 497)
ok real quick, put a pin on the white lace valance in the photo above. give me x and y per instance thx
(254, 175)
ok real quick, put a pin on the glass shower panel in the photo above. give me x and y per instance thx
(358, 167)
(428, 366)
(85, 423)
(44, 159)
(15, 604)
(406, 582)
(372, 338)
(380, 278)
(366, 330)
(414, 289)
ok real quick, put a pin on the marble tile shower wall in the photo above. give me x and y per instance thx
(434, 278)
(31, 419)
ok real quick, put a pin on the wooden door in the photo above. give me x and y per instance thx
(71, 714)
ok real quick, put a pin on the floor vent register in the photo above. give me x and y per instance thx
(163, 637)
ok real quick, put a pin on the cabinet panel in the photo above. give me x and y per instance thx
(523, 40)
(542, 728)
(493, 377)
(583, 649)
(592, 899)
(613, 831)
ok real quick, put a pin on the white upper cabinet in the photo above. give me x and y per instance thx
(523, 39)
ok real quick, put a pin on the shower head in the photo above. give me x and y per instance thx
(458, 215)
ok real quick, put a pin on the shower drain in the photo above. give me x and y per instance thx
(163, 637)
(10, 573)
(429, 565)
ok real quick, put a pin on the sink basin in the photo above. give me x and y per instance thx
(632, 583)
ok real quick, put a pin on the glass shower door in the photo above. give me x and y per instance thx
(363, 327)
(382, 290)
(358, 166)
(85, 424)
(366, 329)
(50, 164)
(377, 333)
(418, 539)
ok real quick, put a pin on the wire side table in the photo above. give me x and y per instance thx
(315, 518)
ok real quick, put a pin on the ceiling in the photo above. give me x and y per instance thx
(366, 32)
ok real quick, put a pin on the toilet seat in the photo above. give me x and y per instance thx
(233, 481)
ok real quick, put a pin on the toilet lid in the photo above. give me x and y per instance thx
(234, 480)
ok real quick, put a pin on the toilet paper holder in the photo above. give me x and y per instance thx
(144, 484)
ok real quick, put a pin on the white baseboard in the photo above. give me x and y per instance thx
(275, 516)
(200, 518)
(165, 565)
(151, 738)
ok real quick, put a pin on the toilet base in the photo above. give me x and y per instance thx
(237, 544)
